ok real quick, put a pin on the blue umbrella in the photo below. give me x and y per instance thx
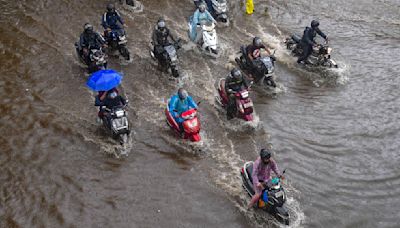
(104, 80)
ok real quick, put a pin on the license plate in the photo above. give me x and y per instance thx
(279, 194)
(122, 42)
(247, 105)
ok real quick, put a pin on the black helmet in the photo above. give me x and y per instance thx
(110, 7)
(236, 74)
(265, 154)
(257, 42)
(314, 23)
(161, 24)
(182, 94)
(202, 7)
(88, 27)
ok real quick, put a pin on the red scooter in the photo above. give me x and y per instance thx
(244, 104)
(191, 125)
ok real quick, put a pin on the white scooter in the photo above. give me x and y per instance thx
(207, 39)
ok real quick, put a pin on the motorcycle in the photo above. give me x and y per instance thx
(191, 125)
(169, 59)
(117, 40)
(97, 58)
(273, 197)
(208, 42)
(116, 122)
(321, 54)
(219, 10)
(244, 104)
(261, 71)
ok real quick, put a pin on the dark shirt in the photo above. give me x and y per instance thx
(310, 34)
(91, 40)
(231, 83)
(112, 103)
(161, 37)
(110, 20)
(251, 49)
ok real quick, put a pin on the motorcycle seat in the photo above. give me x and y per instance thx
(249, 170)
(296, 38)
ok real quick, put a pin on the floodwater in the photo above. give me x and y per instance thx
(335, 131)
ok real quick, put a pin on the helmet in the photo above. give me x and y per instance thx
(314, 23)
(257, 42)
(265, 154)
(182, 94)
(88, 27)
(161, 24)
(236, 74)
(110, 8)
(202, 7)
(113, 95)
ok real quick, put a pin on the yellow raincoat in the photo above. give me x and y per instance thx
(249, 6)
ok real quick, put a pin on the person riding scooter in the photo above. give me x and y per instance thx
(179, 103)
(253, 50)
(262, 173)
(112, 21)
(307, 41)
(110, 100)
(234, 82)
(160, 38)
(88, 40)
(201, 14)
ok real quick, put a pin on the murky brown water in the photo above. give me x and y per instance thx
(336, 132)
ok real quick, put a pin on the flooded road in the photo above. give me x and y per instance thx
(337, 132)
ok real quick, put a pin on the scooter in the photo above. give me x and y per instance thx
(208, 42)
(191, 125)
(261, 71)
(169, 59)
(273, 197)
(244, 104)
(115, 121)
(321, 54)
(97, 58)
(116, 40)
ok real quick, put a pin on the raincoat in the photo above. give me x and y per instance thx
(177, 107)
(262, 172)
(196, 19)
(249, 6)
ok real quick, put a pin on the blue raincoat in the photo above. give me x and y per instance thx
(196, 18)
(180, 106)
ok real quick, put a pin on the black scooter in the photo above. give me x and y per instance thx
(273, 196)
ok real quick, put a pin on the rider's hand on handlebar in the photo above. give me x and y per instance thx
(125, 26)
(282, 177)
(259, 185)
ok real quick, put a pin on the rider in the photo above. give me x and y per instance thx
(160, 38)
(179, 103)
(90, 39)
(110, 20)
(234, 82)
(110, 100)
(254, 50)
(262, 168)
(199, 15)
(307, 41)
